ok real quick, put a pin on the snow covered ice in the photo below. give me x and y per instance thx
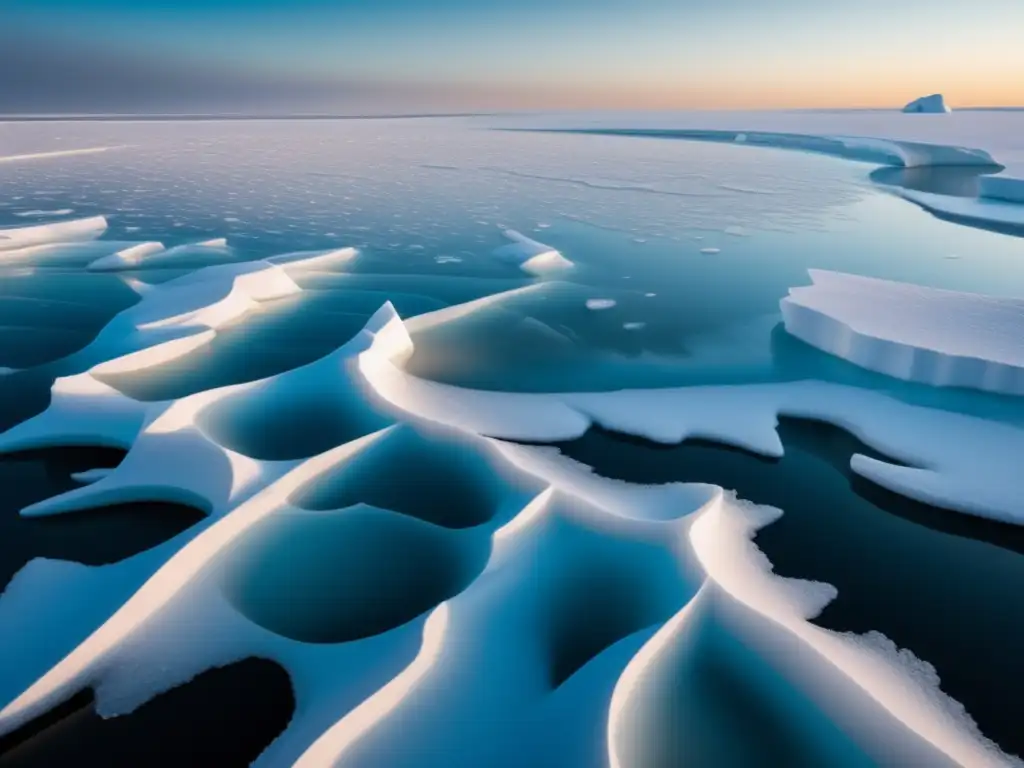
(942, 338)
(391, 527)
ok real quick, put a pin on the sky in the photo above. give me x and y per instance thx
(350, 57)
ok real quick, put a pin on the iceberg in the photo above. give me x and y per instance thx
(933, 104)
(932, 336)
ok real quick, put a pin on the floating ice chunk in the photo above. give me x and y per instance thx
(650, 295)
(57, 232)
(217, 242)
(933, 104)
(129, 258)
(737, 231)
(531, 256)
(932, 336)
(599, 304)
(710, 250)
(634, 326)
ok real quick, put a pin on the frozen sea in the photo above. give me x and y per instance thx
(319, 553)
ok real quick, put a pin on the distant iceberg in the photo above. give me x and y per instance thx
(934, 104)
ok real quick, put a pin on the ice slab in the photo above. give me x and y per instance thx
(988, 212)
(531, 255)
(56, 232)
(938, 337)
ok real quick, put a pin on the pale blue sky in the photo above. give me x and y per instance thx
(604, 53)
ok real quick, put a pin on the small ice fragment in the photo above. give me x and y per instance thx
(598, 304)
(740, 138)
(633, 326)
(710, 250)
(650, 295)
(736, 231)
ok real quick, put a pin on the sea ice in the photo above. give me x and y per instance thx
(531, 256)
(937, 337)
(56, 232)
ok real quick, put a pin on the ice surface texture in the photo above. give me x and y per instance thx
(968, 138)
(564, 597)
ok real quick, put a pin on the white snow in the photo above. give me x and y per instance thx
(531, 255)
(683, 547)
(129, 258)
(933, 104)
(937, 337)
(56, 232)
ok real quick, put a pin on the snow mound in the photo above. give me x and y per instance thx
(129, 258)
(933, 104)
(57, 232)
(932, 336)
(531, 255)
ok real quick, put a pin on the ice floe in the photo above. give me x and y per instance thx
(56, 232)
(937, 337)
(531, 255)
